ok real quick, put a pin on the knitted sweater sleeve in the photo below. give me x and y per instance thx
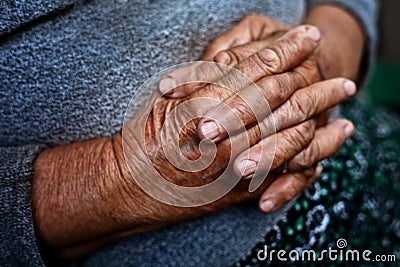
(14, 14)
(17, 243)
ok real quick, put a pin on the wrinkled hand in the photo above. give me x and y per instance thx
(265, 62)
(294, 110)
(84, 192)
(338, 54)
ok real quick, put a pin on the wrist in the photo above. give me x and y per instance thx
(74, 190)
(342, 42)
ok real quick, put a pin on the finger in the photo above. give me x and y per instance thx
(273, 151)
(318, 172)
(285, 188)
(285, 53)
(327, 142)
(179, 83)
(235, 55)
(302, 105)
(294, 40)
(252, 27)
(297, 142)
(185, 80)
(313, 100)
(251, 104)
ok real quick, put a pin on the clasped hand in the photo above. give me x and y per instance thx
(84, 195)
(284, 65)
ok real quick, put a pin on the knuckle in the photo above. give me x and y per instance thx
(283, 54)
(292, 190)
(243, 111)
(309, 127)
(285, 111)
(291, 142)
(274, 88)
(291, 43)
(279, 157)
(309, 173)
(303, 103)
(227, 57)
(266, 126)
(214, 92)
(281, 85)
(304, 160)
(307, 157)
(269, 61)
(303, 133)
(254, 135)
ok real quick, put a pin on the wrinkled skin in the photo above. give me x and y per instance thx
(255, 32)
(83, 195)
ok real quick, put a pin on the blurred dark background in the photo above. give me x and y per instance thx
(389, 30)
(384, 87)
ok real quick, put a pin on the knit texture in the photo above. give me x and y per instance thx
(14, 14)
(69, 76)
(18, 243)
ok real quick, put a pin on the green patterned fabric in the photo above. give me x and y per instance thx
(357, 197)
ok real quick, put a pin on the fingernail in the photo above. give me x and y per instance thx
(166, 84)
(313, 33)
(268, 205)
(349, 129)
(222, 58)
(350, 87)
(319, 170)
(210, 130)
(247, 168)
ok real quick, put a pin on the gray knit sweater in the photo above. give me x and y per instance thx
(67, 72)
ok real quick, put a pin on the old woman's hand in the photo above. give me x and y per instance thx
(248, 47)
